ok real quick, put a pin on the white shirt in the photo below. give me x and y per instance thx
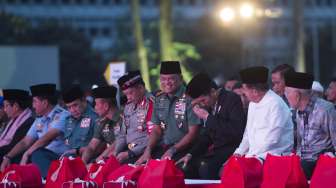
(269, 128)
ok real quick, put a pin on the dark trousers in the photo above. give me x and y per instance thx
(207, 166)
(308, 168)
(42, 158)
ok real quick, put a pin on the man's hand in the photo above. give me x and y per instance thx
(144, 157)
(5, 163)
(122, 156)
(185, 160)
(25, 158)
(200, 112)
(167, 155)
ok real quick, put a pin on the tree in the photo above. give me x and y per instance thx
(140, 47)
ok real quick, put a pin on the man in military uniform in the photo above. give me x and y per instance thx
(108, 126)
(224, 123)
(44, 141)
(175, 124)
(81, 123)
(137, 113)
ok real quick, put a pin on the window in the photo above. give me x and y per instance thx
(106, 31)
(93, 32)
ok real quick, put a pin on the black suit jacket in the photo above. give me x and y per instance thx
(225, 128)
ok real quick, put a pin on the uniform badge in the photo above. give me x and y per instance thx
(140, 128)
(162, 125)
(85, 123)
(56, 118)
(131, 145)
(106, 128)
(39, 127)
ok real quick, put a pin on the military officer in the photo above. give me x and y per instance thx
(108, 126)
(175, 124)
(137, 113)
(44, 141)
(81, 123)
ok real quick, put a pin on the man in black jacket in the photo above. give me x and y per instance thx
(224, 124)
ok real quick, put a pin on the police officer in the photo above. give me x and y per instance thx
(137, 113)
(81, 123)
(175, 124)
(44, 141)
(108, 126)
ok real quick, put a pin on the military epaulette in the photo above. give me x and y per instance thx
(158, 93)
(58, 110)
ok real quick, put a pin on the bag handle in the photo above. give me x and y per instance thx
(54, 175)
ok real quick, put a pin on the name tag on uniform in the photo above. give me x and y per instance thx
(85, 123)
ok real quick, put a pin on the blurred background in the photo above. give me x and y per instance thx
(94, 41)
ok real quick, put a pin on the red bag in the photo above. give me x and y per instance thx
(119, 185)
(64, 170)
(28, 176)
(80, 184)
(283, 172)
(325, 173)
(242, 172)
(128, 172)
(99, 172)
(161, 174)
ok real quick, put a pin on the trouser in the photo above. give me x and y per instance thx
(42, 158)
(308, 168)
(207, 166)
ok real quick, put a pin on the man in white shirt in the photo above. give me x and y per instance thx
(269, 127)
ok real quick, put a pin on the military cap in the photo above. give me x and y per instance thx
(201, 84)
(43, 90)
(170, 67)
(75, 92)
(254, 75)
(299, 80)
(107, 92)
(130, 79)
(15, 94)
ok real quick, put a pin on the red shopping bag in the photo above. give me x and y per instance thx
(28, 176)
(161, 174)
(64, 170)
(126, 184)
(98, 172)
(283, 172)
(80, 184)
(242, 172)
(127, 171)
(325, 172)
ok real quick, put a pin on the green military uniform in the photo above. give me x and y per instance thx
(80, 131)
(107, 130)
(174, 115)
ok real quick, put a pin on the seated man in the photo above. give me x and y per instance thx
(175, 124)
(81, 123)
(44, 141)
(224, 122)
(331, 92)
(16, 104)
(269, 127)
(108, 126)
(133, 137)
(315, 118)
